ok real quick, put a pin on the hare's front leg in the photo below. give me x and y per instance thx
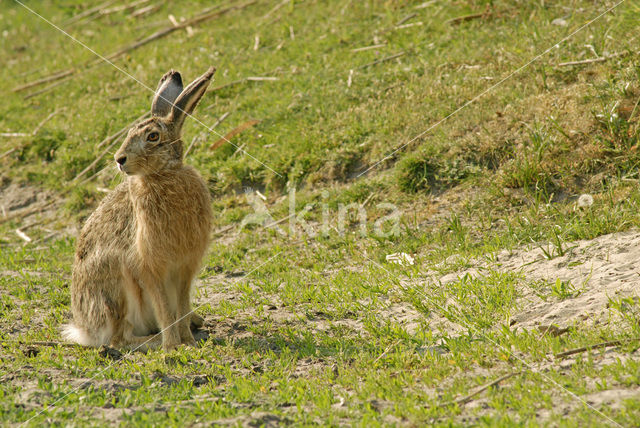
(184, 307)
(155, 285)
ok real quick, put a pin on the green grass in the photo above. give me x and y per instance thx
(318, 328)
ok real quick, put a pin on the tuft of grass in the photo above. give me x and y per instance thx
(564, 289)
(417, 172)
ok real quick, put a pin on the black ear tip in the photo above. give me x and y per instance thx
(172, 76)
(175, 77)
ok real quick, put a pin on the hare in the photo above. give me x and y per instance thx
(138, 253)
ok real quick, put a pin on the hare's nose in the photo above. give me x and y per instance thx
(121, 160)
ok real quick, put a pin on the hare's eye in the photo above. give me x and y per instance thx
(153, 136)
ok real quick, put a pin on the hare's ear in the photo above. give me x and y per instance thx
(188, 99)
(169, 88)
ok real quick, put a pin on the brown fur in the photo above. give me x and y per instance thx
(139, 252)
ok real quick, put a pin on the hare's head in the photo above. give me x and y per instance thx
(155, 143)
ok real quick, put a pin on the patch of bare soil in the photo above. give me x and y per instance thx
(31, 207)
(254, 419)
(220, 288)
(23, 200)
(599, 270)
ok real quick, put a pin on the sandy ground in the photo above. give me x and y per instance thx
(601, 269)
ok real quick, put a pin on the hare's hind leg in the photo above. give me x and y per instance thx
(95, 303)
(124, 338)
(196, 321)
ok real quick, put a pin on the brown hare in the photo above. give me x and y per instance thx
(139, 252)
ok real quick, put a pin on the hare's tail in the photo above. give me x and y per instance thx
(78, 335)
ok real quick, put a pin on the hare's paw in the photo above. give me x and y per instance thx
(196, 321)
(187, 339)
(170, 339)
(170, 346)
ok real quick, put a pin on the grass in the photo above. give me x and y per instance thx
(310, 325)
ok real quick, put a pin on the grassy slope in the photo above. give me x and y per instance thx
(503, 172)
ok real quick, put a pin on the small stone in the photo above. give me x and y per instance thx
(559, 22)
(402, 259)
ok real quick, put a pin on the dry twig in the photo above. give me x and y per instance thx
(261, 79)
(226, 85)
(123, 7)
(123, 130)
(145, 10)
(366, 48)
(386, 351)
(233, 133)
(95, 161)
(111, 141)
(366, 201)
(88, 12)
(8, 152)
(594, 60)
(47, 237)
(425, 4)
(23, 235)
(28, 212)
(25, 134)
(483, 388)
(381, 60)
(15, 343)
(413, 24)
(465, 18)
(275, 9)
(168, 30)
(97, 173)
(246, 79)
(43, 121)
(218, 122)
(221, 119)
(406, 18)
(46, 88)
(51, 78)
(13, 134)
(282, 220)
(202, 17)
(25, 212)
(596, 346)
(239, 149)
